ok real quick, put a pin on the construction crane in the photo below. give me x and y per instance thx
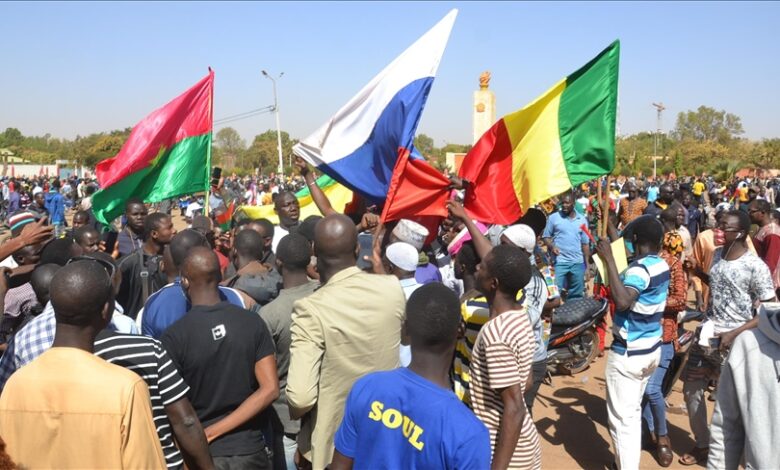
(660, 109)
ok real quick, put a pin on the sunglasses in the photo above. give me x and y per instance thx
(109, 267)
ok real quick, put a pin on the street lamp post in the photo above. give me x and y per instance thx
(278, 127)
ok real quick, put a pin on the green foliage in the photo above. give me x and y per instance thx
(229, 140)
(424, 145)
(677, 164)
(11, 137)
(708, 125)
(264, 152)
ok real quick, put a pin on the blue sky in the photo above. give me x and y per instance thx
(77, 68)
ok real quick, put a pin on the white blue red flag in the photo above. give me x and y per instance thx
(360, 144)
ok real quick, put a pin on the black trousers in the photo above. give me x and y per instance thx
(539, 370)
(257, 461)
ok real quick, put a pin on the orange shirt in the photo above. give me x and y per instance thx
(71, 409)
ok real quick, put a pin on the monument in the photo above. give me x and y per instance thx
(484, 114)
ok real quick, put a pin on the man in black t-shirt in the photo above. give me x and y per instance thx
(141, 275)
(226, 355)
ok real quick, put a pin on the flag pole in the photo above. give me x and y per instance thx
(600, 223)
(605, 209)
(208, 151)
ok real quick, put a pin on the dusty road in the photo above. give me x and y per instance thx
(571, 417)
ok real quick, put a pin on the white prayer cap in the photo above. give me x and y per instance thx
(521, 236)
(411, 233)
(403, 255)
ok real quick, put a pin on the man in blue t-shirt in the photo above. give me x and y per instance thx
(169, 304)
(565, 239)
(639, 294)
(409, 417)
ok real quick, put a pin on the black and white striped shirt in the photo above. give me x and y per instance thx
(146, 357)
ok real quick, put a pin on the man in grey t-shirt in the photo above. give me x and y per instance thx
(292, 257)
(738, 280)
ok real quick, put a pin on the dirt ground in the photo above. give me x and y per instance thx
(571, 417)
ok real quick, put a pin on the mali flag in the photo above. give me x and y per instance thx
(168, 154)
(564, 138)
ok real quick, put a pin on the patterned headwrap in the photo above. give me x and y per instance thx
(673, 243)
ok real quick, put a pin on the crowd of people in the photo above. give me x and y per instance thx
(339, 341)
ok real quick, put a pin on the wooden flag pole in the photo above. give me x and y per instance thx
(605, 208)
(600, 224)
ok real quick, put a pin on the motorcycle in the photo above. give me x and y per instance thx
(574, 343)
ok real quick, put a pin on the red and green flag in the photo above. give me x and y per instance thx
(562, 139)
(168, 154)
(223, 219)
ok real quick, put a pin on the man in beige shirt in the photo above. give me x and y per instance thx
(347, 328)
(69, 408)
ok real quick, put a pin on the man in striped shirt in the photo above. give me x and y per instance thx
(640, 298)
(501, 361)
(171, 409)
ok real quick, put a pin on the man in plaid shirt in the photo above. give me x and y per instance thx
(29, 343)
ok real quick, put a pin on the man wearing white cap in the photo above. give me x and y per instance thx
(401, 261)
(415, 234)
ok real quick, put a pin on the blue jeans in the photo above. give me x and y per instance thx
(570, 276)
(654, 407)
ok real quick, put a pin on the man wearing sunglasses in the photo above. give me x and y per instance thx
(738, 280)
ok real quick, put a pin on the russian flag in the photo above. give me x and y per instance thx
(360, 144)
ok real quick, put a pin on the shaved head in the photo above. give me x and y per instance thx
(335, 245)
(335, 236)
(41, 280)
(79, 293)
(201, 267)
(183, 243)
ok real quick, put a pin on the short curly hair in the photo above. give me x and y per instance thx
(511, 267)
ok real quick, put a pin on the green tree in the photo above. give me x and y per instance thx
(677, 164)
(229, 140)
(424, 145)
(767, 154)
(230, 144)
(263, 152)
(708, 125)
(12, 137)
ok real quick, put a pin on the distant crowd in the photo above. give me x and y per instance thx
(340, 341)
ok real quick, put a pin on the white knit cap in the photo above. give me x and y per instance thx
(521, 236)
(411, 232)
(403, 255)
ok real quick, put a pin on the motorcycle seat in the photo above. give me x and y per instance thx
(576, 311)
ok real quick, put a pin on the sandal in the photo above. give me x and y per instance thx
(664, 454)
(697, 455)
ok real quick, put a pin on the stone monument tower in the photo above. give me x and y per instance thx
(484, 107)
